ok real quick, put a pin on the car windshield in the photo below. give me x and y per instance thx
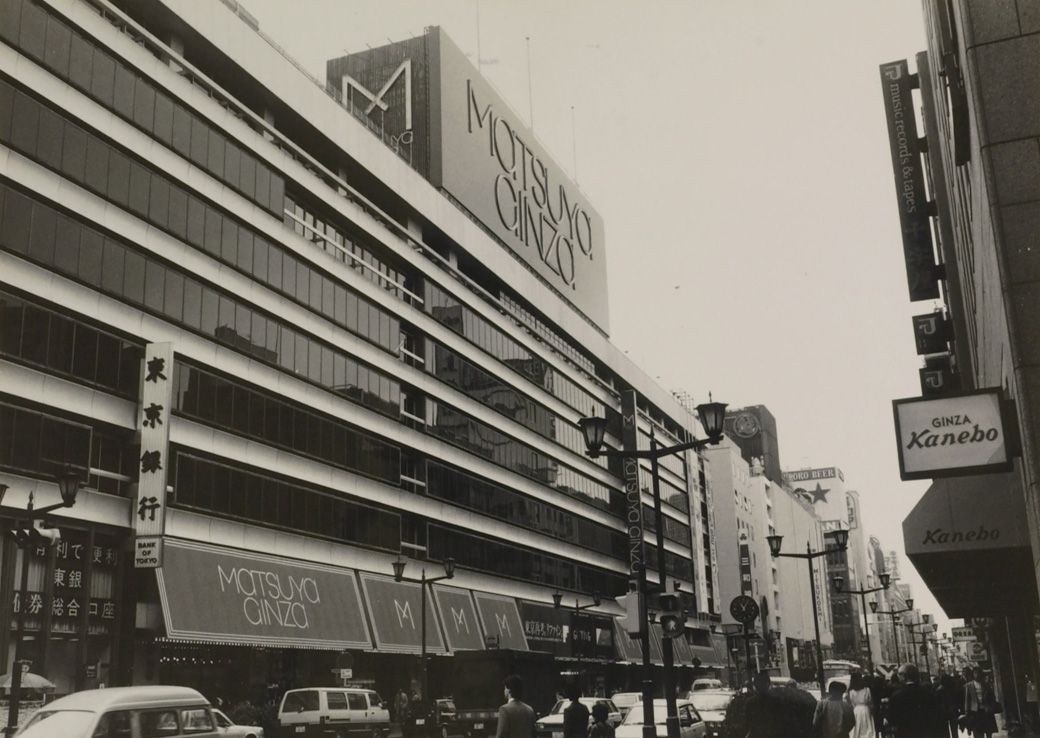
(710, 700)
(66, 723)
(635, 715)
(558, 707)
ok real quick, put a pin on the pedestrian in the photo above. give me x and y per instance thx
(575, 715)
(974, 720)
(600, 728)
(862, 702)
(766, 715)
(913, 710)
(515, 717)
(948, 703)
(985, 719)
(401, 706)
(1032, 705)
(834, 717)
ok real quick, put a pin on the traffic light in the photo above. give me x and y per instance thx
(630, 621)
(673, 620)
(37, 535)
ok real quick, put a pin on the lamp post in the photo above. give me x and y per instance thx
(841, 538)
(925, 628)
(712, 416)
(423, 581)
(557, 599)
(839, 585)
(69, 482)
(894, 613)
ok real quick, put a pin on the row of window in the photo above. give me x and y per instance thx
(37, 231)
(673, 529)
(326, 236)
(670, 494)
(509, 560)
(68, 347)
(246, 411)
(460, 429)
(33, 129)
(473, 493)
(260, 498)
(547, 334)
(453, 369)
(40, 444)
(446, 309)
(77, 59)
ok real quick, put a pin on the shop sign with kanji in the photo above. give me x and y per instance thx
(154, 424)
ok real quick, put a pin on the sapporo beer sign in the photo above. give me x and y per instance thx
(954, 435)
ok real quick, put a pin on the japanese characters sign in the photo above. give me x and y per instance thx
(154, 424)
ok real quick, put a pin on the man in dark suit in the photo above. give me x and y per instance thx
(913, 709)
(515, 717)
(575, 715)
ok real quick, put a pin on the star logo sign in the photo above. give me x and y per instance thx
(819, 494)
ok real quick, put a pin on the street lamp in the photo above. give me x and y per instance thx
(557, 599)
(423, 581)
(712, 416)
(841, 539)
(69, 481)
(839, 585)
(894, 613)
(925, 628)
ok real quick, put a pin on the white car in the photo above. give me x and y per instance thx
(551, 725)
(625, 700)
(712, 705)
(228, 728)
(691, 724)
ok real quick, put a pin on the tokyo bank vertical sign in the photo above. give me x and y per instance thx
(494, 167)
(149, 511)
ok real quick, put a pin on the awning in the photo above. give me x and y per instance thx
(459, 617)
(707, 655)
(721, 648)
(565, 633)
(499, 617)
(223, 595)
(681, 650)
(967, 537)
(656, 655)
(396, 612)
(628, 648)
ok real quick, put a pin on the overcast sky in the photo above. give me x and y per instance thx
(738, 154)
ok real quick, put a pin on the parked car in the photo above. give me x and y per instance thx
(699, 684)
(126, 712)
(712, 705)
(625, 700)
(551, 725)
(691, 724)
(445, 714)
(778, 682)
(230, 729)
(333, 711)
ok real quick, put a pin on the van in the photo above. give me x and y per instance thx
(333, 712)
(125, 712)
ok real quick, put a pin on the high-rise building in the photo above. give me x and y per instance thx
(753, 429)
(289, 337)
(967, 174)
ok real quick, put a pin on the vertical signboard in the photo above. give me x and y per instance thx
(931, 333)
(630, 474)
(154, 425)
(745, 565)
(921, 271)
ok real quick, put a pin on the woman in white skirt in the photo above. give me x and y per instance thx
(862, 707)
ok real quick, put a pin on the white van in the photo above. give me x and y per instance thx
(336, 712)
(125, 712)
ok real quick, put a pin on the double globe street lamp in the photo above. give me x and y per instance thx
(839, 586)
(894, 614)
(841, 540)
(712, 416)
(557, 599)
(423, 581)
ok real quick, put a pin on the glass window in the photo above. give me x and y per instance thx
(41, 239)
(81, 61)
(133, 277)
(357, 701)
(173, 295)
(74, 153)
(210, 311)
(199, 141)
(229, 241)
(10, 12)
(96, 177)
(33, 36)
(158, 723)
(159, 202)
(124, 92)
(118, 178)
(263, 184)
(196, 221)
(108, 360)
(25, 124)
(90, 248)
(215, 154)
(34, 338)
(6, 108)
(181, 136)
(15, 227)
(232, 158)
(178, 212)
(193, 304)
(163, 127)
(274, 268)
(245, 250)
(59, 38)
(102, 83)
(155, 280)
(304, 700)
(66, 246)
(247, 175)
(114, 725)
(196, 720)
(336, 700)
(277, 194)
(49, 140)
(211, 240)
(59, 344)
(144, 105)
(140, 181)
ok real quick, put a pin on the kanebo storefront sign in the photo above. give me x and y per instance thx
(953, 435)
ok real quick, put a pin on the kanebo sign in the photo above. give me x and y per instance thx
(951, 436)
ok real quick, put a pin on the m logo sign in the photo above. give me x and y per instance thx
(378, 99)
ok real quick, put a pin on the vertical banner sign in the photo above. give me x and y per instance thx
(745, 566)
(630, 473)
(921, 272)
(154, 423)
(931, 333)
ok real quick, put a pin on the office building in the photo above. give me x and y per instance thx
(288, 339)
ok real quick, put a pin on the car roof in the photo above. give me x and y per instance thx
(99, 700)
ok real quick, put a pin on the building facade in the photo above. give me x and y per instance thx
(283, 357)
